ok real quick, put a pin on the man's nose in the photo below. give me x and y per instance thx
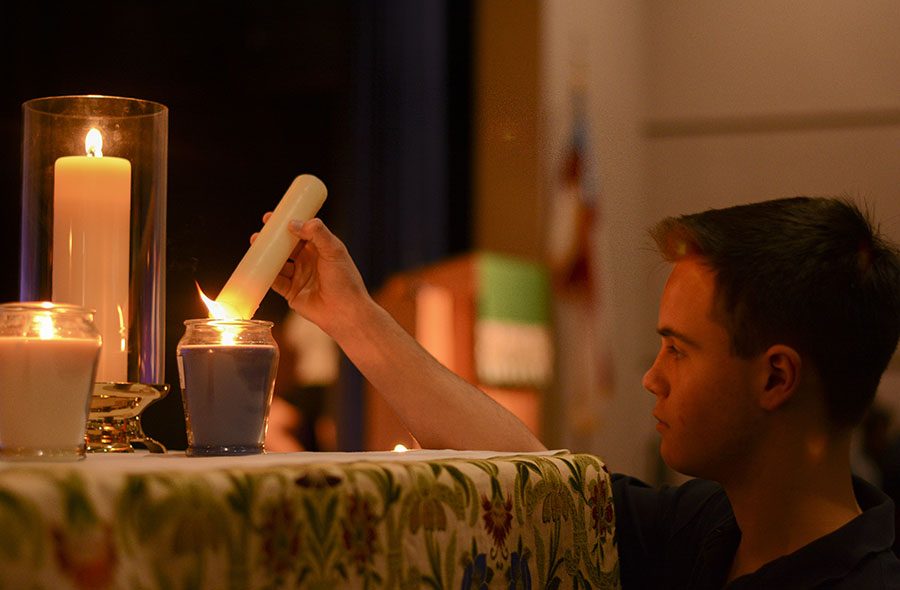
(653, 381)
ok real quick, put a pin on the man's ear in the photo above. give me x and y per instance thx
(782, 366)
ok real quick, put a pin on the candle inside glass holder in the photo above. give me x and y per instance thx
(93, 229)
(48, 357)
(227, 370)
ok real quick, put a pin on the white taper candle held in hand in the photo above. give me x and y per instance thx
(261, 264)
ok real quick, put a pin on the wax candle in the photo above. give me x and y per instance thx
(258, 268)
(227, 392)
(227, 370)
(47, 359)
(46, 386)
(91, 225)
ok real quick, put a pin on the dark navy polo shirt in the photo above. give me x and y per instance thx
(686, 537)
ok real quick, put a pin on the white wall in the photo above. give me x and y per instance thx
(604, 41)
(763, 99)
(704, 103)
(718, 58)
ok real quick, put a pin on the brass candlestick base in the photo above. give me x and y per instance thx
(114, 422)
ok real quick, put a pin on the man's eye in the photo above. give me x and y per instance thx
(674, 351)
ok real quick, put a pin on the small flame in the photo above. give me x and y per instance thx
(400, 448)
(46, 329)
(93, 143)
(217, 311)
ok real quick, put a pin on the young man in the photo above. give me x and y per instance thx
(776, 323)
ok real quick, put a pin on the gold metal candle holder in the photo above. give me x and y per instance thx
(114, 421)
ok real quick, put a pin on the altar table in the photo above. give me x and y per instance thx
(420, 519)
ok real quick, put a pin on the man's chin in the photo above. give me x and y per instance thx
(679, 464)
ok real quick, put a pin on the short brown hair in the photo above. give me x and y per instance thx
(812, 273)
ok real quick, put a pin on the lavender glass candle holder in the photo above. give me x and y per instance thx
(227, 371)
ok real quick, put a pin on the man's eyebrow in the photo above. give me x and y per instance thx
(667, 332)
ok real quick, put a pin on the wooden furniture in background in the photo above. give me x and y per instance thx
(441, 306)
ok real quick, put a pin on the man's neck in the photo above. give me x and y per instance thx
(787, 502)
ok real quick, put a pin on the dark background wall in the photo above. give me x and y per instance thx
(374, 98)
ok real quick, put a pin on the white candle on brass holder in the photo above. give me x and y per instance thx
(256, 272)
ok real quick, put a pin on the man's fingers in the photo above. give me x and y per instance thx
(265, 218)
(281, 285)
(300, 246)
(316, 232)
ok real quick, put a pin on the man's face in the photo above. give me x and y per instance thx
(706, 405)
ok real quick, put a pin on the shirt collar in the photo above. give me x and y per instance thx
(836, 554)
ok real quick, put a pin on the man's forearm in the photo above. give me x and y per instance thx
(438, 407)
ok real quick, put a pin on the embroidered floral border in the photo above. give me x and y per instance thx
(507, 522)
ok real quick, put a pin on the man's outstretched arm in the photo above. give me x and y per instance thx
(438, 407)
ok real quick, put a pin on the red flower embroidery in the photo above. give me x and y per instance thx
(497, 517)
(359, 531)
(601, 507)
(88, 561)
(281, 537)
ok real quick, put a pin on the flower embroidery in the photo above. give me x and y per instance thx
(318, 479)
(601, 507)
(477, 575)
(88, 560)
(519, 575)
(427, 512)
(359, 531)
(281, 537)
(497, 517)
(554, 506)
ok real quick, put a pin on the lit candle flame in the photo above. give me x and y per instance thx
(93, 143)
(217, 311)
(400, 448)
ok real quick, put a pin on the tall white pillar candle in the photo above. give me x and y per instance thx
(91, 245)
(256, 272)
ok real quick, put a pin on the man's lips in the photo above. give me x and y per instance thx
(660, 423)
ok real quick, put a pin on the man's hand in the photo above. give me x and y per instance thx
(320, 281)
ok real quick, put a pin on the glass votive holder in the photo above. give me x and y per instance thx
(227, 373)
(48, 358)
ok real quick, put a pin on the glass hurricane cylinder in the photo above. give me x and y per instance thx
(94, 222)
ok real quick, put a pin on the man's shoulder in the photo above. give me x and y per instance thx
(663, 531)
(881, 570)
(693, 499)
